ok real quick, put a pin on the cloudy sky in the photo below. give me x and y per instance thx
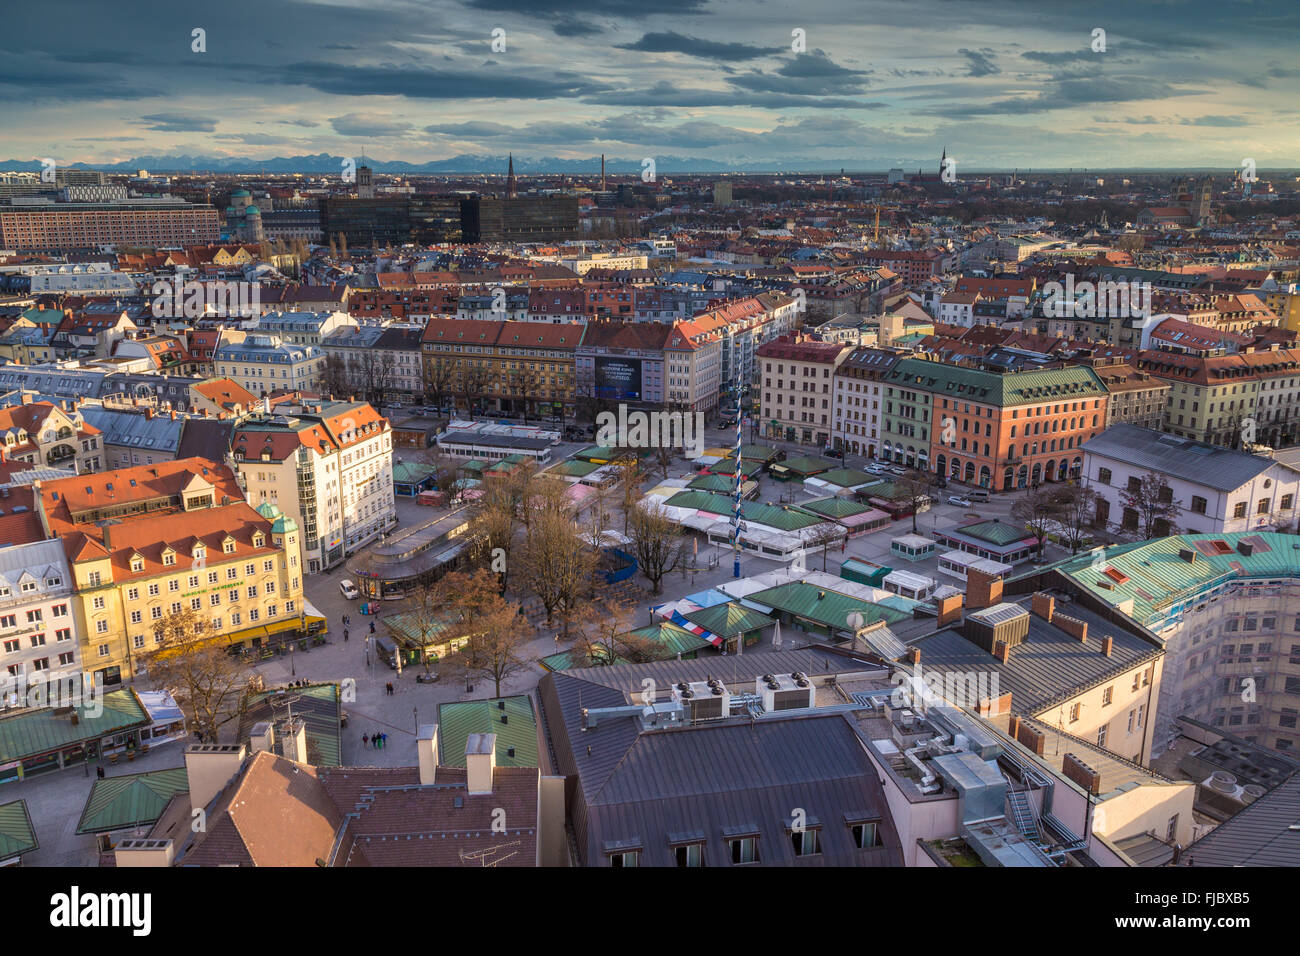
(1000, 83)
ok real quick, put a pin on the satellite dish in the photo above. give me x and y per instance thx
(857, 621)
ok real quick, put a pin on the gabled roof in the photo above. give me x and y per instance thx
(1200, 463)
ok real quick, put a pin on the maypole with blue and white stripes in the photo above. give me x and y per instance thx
(735, 518)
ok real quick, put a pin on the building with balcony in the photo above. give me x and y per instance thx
(44, 435)
(39, 640)
(328, 466)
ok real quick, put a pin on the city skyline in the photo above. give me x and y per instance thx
(712, 82)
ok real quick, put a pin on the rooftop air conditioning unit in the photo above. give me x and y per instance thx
(785, 692)
(703, 700)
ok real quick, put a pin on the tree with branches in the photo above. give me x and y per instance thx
(1153, 500)
(604, 636)
(658, 546)
(1039, 510)
(557, 564)
(208, 683)
(1076, 508)
(489, 631)
(915, 488)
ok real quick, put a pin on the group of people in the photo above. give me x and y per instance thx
(389, 688)
(376, 741)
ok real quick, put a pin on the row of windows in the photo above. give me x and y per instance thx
(806, 842)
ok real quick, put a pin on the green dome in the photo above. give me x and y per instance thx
(284, 525)
(252, 211)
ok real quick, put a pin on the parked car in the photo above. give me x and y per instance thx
(959, 500)
(349, 590)
(830, 451)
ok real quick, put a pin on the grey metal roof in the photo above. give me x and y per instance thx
(1198, 462)
(133, 430)
(1266, 833)
(634, 789)
(1050, 666)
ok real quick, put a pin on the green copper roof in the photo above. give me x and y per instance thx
(730, 619)
(835, 507)
(994, 531)
(846, 477)
(572, 468)
(1155, 577)
(808, 465)
(16, 833)
(962, 383)
(41, 731)
(831, 607)
(457, 720)
(719, 483)
(318, 706)
(138, 798)
(748, 467)
(782, 517)
(410, 472)
(573, 659)
(670, 640)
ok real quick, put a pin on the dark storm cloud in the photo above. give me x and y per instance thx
(366, 124)
(665, 94)
(488, 82)
(573, 27)
(980, 63)
(1069, 92)
(671, 42)
(179, 123)
(808, 74)
(623, 9)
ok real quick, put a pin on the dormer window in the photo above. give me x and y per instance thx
(28, 587)
(169, 557)
(259, 540)
(137, 563)
(199, 552)
(228, 546)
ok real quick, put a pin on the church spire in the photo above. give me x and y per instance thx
(512, 188)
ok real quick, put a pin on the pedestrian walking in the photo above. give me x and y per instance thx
(345, 635)
(383, 739)
(372, 627)
(365, 740)
(99, 772)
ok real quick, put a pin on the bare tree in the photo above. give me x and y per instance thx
(209, 684)
(472, 383)
(1038, 510)
(425, 611)
(656, 542)
(557, 564)
(604, 635)
(629, 485)
(438, 381)
(915, 488)
(824, 536)
(1153, 500)
(1076, 507)
(493, 522)
(493, 644)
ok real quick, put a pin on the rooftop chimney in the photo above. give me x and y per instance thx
(1107, 644)
(262, 737)
(293, 743)
(426, 748)
(480, 762)
(134, 853)
(209, 767)
(1043, 605)
(913, 655)
(982, 590)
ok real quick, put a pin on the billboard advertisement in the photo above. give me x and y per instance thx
(618, 379)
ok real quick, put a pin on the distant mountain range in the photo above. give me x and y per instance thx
(480, 164)
(463, 164)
